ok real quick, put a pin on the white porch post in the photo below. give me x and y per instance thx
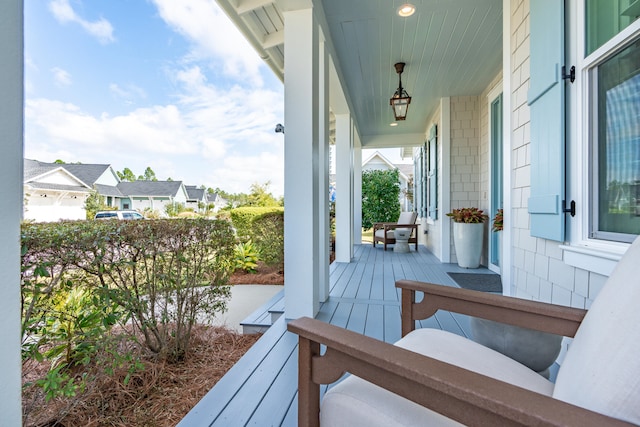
(302, 218)
(11, 118)
(344, 188)
(357, 190)
(323, 182)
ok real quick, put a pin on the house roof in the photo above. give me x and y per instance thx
(405, 170)
(108, 190)
(87, 173)
(194, 193)
(150, 188)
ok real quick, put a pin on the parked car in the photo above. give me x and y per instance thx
(125, 214)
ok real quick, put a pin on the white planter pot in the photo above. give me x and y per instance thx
(467, 239)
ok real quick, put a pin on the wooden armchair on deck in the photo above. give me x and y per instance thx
(432, 377)
(384, 232)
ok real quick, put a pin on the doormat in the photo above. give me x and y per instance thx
(478, 281)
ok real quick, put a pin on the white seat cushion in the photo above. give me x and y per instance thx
(601, 370)
(355, 402)
(407, 218)
(390, 234)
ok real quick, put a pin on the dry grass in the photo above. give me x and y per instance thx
(158, 396)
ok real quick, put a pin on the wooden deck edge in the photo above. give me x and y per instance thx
(262, 316)
(215, 401)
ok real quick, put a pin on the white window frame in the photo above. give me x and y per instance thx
(582, 251)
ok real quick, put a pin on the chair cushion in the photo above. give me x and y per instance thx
(601, 370)
(390, 234)
(357, 402)
(407, 218)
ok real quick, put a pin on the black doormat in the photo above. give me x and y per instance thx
(478, 281)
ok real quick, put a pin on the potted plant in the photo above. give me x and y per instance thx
(496, 227)
(468, 234)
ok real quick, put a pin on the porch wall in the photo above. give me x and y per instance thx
(539, 272)
(465, 151)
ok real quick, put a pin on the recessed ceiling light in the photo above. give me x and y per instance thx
(406, 9)
(393, 124)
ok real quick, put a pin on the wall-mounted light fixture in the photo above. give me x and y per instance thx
(400, 100)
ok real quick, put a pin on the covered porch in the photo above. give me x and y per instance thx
(261, 389)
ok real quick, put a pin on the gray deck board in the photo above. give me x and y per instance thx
(261, 389)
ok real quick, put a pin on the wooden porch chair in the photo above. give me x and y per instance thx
(432, 377)
(384, 232)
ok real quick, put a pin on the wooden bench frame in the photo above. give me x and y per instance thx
(457, 393)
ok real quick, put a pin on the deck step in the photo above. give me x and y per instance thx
(264, 316)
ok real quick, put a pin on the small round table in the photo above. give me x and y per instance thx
(402, 240)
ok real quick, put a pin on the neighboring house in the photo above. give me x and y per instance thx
(217, 200)
(196, 198)
(379, 162)
(58, 191)
(153, 195)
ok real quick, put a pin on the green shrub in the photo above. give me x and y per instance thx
(246, 256)
(162, 274)
(242, 219)
(267, 231)
(380, 193)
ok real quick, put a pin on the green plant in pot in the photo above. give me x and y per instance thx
(468, 234)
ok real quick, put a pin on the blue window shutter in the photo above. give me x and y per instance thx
(433, 174)
(546, 101)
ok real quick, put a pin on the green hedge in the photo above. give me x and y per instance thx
(265, 227)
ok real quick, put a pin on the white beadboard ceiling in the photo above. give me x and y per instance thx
(450, 47)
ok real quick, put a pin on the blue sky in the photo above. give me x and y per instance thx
(162, 83)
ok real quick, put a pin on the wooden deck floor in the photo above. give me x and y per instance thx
(261, 389)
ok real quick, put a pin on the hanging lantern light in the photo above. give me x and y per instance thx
(400, 100)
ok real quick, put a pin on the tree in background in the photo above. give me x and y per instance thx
(261, 196)
(380, 193)
(94, 203)
(149, 175)
(126, 175)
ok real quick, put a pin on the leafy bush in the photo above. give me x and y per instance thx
(162, 274)
(267, 231)
(242, 219)
(265, 227)
(380, 197)
(246, 256)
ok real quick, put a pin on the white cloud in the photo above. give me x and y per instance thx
(61, 77)
(101, 29)
(213, 36)
(129, 94)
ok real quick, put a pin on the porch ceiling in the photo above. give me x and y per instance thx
(451, 48)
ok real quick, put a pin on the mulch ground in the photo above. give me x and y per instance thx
(264, 276)
(158, 396)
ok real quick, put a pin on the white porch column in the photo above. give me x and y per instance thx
(344, 188)
(323, 182)
(302, 218)
(357, 190)
(11, 118)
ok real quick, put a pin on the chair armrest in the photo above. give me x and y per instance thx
(535, 315)
(457, 393)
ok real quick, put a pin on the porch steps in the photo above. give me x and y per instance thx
(264, 316)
